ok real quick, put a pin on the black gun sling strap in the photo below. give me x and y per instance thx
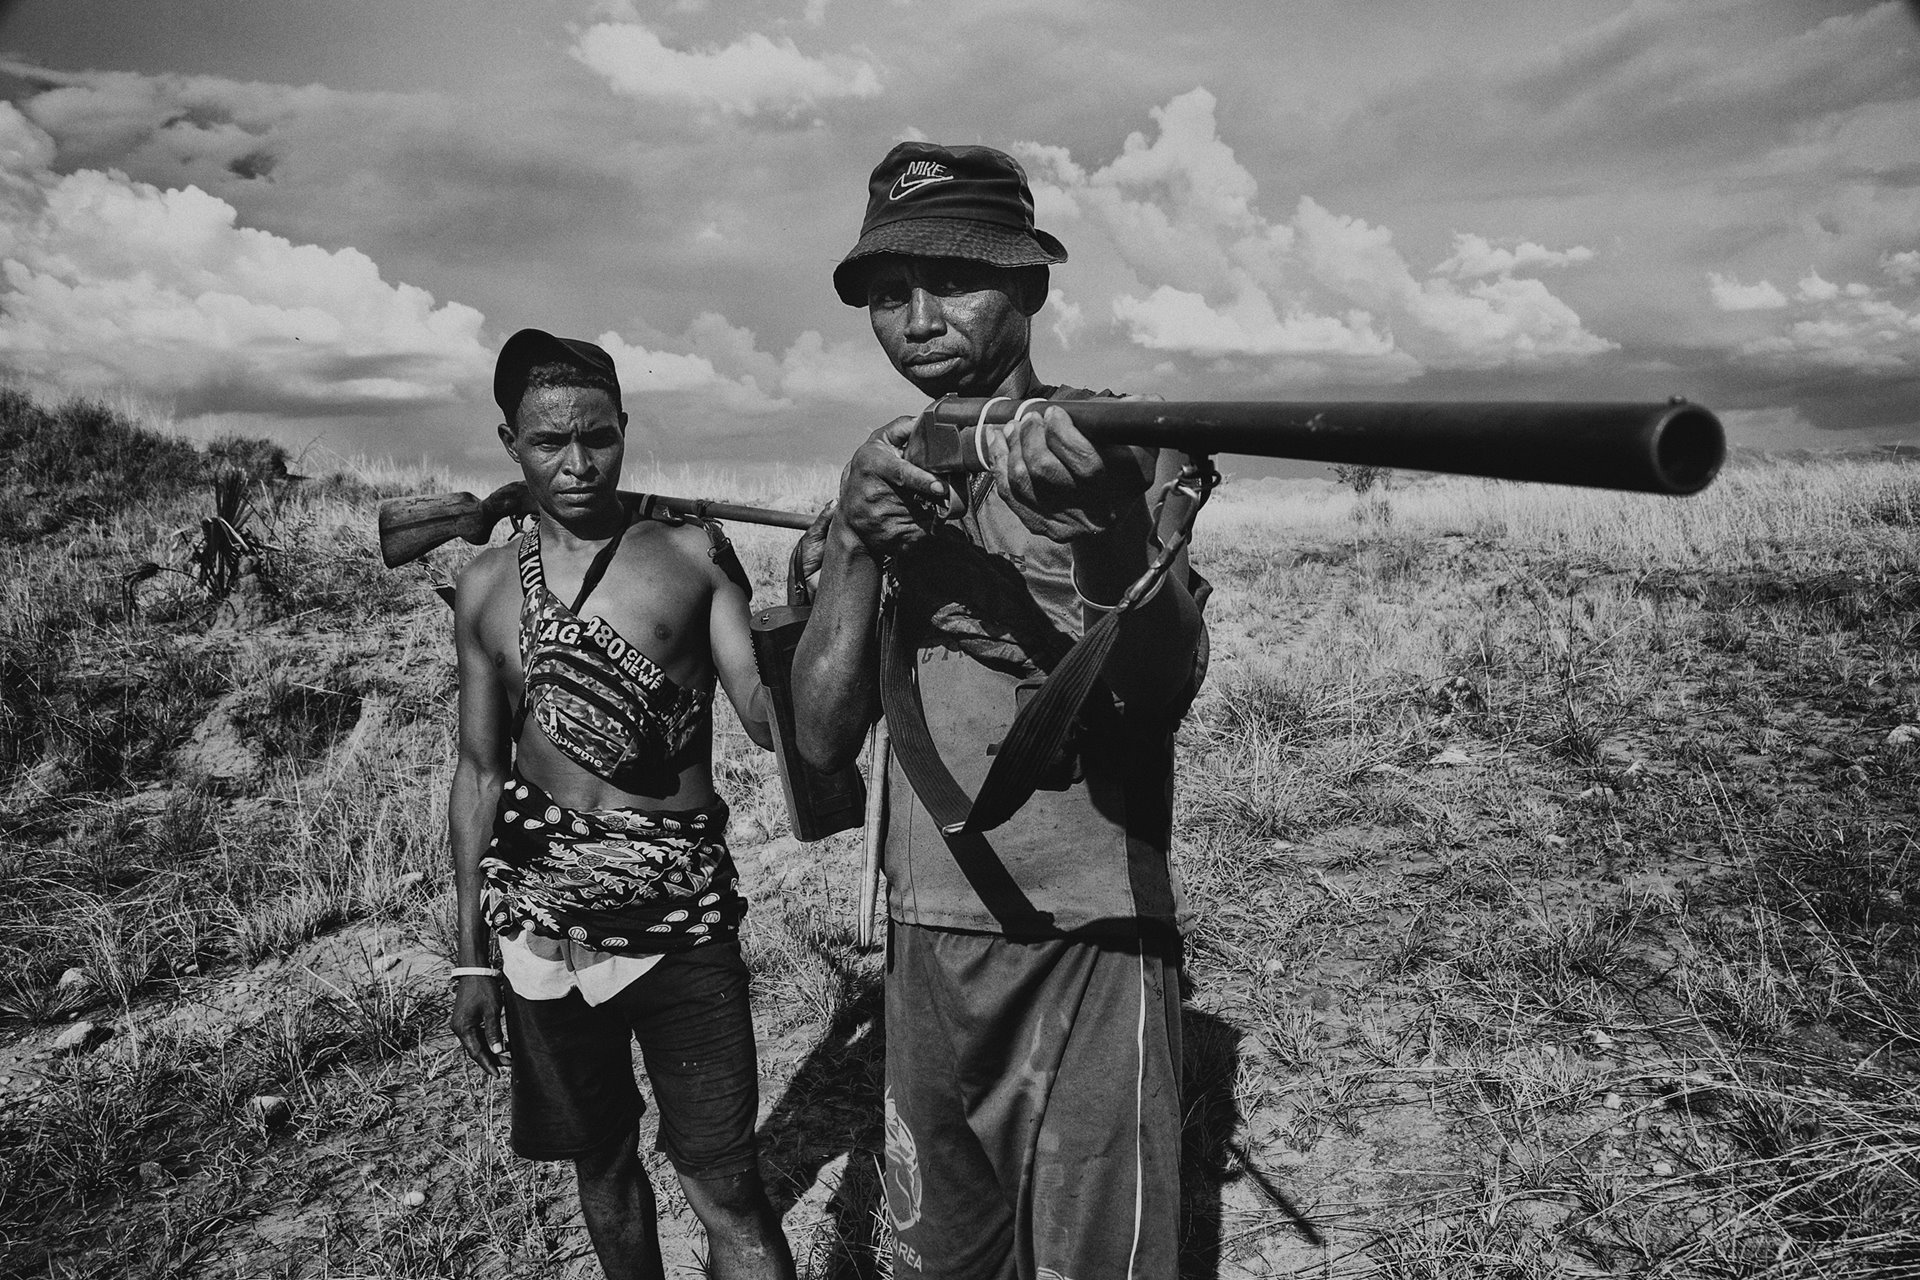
(1040, 728)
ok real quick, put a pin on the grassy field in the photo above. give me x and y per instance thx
(1554, 856)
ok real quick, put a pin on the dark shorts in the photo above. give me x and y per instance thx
(572, 1066)
(1032, 1107)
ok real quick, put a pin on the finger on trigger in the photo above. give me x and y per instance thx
(904, 475)
(998, 445)
(1019, 476)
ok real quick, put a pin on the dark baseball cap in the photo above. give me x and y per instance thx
(531, 347)
(931, 201)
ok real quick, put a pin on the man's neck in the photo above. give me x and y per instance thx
(1019, 383)
(595, 526)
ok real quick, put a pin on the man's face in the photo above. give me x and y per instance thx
(950, 325)
(569, 442)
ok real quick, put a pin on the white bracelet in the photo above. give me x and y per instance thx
(1073, 580)
(980, 431)
(474, 971)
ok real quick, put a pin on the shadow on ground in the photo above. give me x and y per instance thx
(832, 1108)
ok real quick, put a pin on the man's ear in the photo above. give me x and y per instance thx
(506, 438)
(1030, 284)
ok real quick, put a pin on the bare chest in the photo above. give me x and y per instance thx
(648, 603)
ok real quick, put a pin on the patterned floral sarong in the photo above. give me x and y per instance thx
(620, 880)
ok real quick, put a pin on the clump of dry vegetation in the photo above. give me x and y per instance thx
(1553, 858)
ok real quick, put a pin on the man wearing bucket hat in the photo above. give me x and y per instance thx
(1033, 1026)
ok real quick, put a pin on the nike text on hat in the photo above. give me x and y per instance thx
(530, 347)
(929, 201)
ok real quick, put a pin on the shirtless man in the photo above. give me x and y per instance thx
(587, 836)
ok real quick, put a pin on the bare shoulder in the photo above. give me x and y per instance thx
(691, 550)
(482, 577)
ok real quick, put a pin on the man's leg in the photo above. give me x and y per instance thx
(695, 1028)
(616, 1199)
(744, 1239)
(1105, 1192)
(952, 1211)
(572, 1066)
(1068, 1056)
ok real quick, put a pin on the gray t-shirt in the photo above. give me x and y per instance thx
(1092, 857)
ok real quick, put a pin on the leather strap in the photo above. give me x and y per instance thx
(1041, 727)
(1038, 733)
(598, 569)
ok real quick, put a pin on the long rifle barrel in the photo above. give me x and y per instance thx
(1673, 447)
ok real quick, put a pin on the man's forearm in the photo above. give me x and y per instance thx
(836, 665)
(469, 816)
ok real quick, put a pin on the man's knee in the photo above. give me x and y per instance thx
(738, 1196)
(610, 1161)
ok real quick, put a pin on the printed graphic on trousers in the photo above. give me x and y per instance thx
(904, 1189)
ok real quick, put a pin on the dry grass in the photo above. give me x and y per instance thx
(1576, 813)
(1554, 876)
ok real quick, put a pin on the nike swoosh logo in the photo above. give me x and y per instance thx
(905, 186)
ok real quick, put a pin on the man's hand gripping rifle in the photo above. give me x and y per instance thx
(1670, 448)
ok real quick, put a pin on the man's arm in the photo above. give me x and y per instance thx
(1097, 501)
(480, 771)
(836, 667)
(732, 639)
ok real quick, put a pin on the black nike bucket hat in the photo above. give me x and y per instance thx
(930, 201)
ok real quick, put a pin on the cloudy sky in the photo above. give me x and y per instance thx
(317, 219)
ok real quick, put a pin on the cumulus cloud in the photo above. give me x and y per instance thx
(1069, 318)
(754, 75)
(851, 373)
(107, 284)
(1855, 327)
(207, 131)
(1474, 257)
(1324, 294)
(1813, 289)
(1730, 295)
(645, 371)
(1903, 266)
(714, 378)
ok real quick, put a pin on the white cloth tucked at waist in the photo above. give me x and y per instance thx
(541, 968)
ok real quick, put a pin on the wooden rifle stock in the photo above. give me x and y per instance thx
(819, 802)
(411, 527)
(1673, 447)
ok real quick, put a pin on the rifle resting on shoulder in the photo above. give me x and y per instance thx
(411, 527)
